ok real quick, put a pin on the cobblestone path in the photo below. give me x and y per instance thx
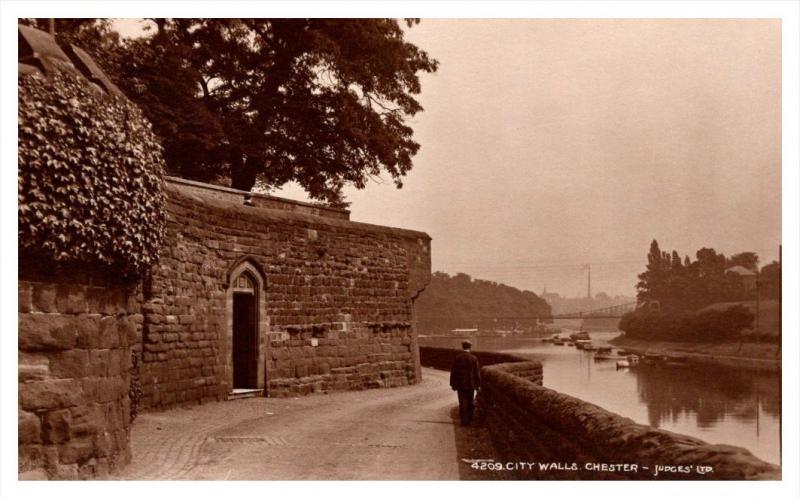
(397, 433)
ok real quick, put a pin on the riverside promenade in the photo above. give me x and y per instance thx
(379, 434)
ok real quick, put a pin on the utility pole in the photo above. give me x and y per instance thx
(589, 282)
(51, 26)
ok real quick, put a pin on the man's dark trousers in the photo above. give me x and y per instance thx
(466, 405)
(465, 379)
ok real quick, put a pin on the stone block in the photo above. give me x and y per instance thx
(71, 299)
(44, 298)
(50, 394)
(33, 475)
(98, 362)
(88, 331)
(33, 457)
(70, 364)
(25, 296)
(86, 420)
(109, 332)
(29, 428)
(33, 366)
(46, 332)
(76, 451)
(55, 426)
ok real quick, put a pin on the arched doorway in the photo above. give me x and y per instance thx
(245, 332)
(247, 328)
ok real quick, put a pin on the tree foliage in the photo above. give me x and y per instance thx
(680, 285)
(463, 302)
(705, 326)
(323, 102)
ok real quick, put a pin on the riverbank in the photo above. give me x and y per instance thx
(746, 356)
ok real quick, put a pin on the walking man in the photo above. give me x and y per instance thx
(465, 378)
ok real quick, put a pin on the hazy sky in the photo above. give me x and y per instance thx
(563, 142)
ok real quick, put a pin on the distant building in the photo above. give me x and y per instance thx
(749, 277)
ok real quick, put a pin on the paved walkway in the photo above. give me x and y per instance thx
(398, 433)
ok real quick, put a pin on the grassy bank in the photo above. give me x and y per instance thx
(747, 356)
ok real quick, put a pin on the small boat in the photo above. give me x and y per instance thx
(590, 347)
(559, 341)
(630, 361)
(582, 335)
(570, 344)
(605, 357)
(653, 359)
(582, 343)
(605, 354)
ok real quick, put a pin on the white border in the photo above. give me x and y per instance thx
(786, 10)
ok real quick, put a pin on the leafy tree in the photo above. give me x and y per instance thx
(748, 260)
(323, 102)
(651, 282)
(684, 285)
(770, 281)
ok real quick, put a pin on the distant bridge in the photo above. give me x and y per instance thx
(608, 312)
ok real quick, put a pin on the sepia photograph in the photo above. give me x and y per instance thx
(461, 246)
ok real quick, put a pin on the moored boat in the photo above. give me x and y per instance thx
(653, 359)
(630, 360)
(582, 343)
(582, 335)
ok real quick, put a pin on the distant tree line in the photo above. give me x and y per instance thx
(672, 292)
(463, 302)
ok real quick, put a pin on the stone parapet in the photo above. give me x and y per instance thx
(531, 423)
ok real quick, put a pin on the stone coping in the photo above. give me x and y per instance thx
(259, 213)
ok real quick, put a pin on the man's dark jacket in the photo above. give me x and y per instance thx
(465, 373)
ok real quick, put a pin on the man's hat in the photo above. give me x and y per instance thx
(465, 344)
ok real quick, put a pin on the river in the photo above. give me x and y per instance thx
(717, 405)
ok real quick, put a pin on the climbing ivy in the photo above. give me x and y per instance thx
(90, 175)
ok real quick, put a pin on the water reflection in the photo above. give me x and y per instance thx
(715, 404)
(709, 394)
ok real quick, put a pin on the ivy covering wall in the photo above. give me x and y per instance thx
(90, 175)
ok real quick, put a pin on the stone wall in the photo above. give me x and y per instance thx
(530, 423)
(442, 358)
(75, 332)
(334, 303)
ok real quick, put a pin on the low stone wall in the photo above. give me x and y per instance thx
(74, 375)
(530, 423)
(442, 358)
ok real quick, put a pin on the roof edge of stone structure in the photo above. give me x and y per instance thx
(256, 195)
(233, 205)
(40, 51)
